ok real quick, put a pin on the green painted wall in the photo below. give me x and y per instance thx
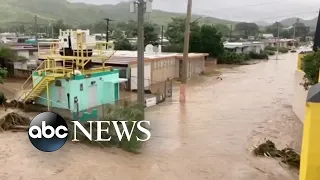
(100, 88)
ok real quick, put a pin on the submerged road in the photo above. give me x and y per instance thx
(210, 137)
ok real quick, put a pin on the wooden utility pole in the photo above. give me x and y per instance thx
(141, 13)
(162, 32)
(36, 27)
(185, 53)
(52, 30)
(230, 35)
(278, 40)
(107, 29)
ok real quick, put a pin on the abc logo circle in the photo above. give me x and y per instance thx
(48, 132)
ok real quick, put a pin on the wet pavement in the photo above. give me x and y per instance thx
(209, 137)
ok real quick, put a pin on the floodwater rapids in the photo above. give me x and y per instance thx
(211, 136)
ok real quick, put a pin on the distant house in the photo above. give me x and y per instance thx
(244, 47)
(267, 36)
(284, 43)
(27, 59)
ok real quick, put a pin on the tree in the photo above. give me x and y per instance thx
(60, 25)
(223, 29)
(247, 29)
(129, 27)
(273, 29)
(150, 33)
(121, 43)
(118, 35)
(301, 29)
(285, 34)
(311, 65)
(207, 40)
(175, 30)
(203, 39)
(5, 55)
(3, 74)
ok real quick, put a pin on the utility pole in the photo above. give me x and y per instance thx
(162, 34)
(52, 31)
(294, 31)
(107, 29)
(278, 40)
(230, 35)
(141, 11)
(36, 27)
(185, 53)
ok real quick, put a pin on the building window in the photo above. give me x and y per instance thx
(58, 83)
(81, 87)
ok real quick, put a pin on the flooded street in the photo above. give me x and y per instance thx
(210, 137)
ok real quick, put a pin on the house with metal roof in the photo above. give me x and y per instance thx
(244, 47)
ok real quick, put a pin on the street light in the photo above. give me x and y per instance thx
(107, 33)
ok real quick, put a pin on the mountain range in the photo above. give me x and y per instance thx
(24, 11)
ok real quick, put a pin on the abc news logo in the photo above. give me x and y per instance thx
(48, 131)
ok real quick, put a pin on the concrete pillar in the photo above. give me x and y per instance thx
(310, 154)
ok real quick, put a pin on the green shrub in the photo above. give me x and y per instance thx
(270, 53)
(173, 48)
(311, 66)
(119, 113)
(2, 98)
(268, 48)
(262, 55)
(283, 50)
(233, 58)
(3, 74)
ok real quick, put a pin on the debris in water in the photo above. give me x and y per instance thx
(286, 155)
(13, 120)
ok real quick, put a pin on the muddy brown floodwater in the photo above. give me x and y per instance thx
(210, 137)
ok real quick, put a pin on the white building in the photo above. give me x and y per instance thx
(244, 47)
(284, 43)
(158, 67)
(267, 36)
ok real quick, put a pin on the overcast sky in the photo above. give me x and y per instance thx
(239, 10)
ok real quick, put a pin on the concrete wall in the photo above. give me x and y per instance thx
(134, 76)
(22, 73)
(90, 92)
(21, 65)
(163, 69)
(23, 53)
(300, 96)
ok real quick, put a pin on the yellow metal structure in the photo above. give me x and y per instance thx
(54, 65)
(310, 154)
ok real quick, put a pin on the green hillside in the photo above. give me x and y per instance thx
(291, 21)
(23, 11)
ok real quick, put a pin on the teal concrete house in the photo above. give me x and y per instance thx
(79, 92)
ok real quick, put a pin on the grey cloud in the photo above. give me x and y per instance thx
(240, 10)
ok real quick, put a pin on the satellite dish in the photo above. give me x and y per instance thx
(155, 49)
(159, 48)
(149, 49)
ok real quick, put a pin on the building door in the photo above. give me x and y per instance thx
(116, 91)
(93, 99)
(61, 94)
